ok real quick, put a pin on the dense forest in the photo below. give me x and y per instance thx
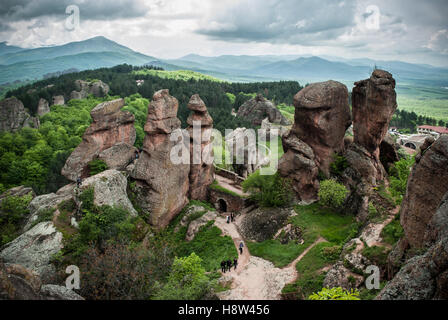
(409, 121)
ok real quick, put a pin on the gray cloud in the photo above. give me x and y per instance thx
(287, 21)
(16, 10)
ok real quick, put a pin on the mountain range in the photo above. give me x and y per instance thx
(20, 64)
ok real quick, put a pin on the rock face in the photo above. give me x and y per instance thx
(34, 250)
(19, 283)
(118, 156)
(424, 217)
(241, 142)
(58, 101)
(322, 117)
(84, 88)
(19, 191)
(201, 149)
(257, 109)
(388, 151)
(13, 115)
(110, 189)
(162, 186)
(298, 163)
(374, 102)
(426, 188)
(43, 108)
(110, 126)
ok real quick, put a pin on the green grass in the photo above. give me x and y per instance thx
(318, 221)
(287, 111)
(210, 246)
(279, 254)
(184, 75)
(393, 231)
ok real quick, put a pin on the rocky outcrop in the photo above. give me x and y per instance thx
(58, 101)
(340, 276)
(427, 184)
(298, 164)
(389, 151)
(161, 186)
(374, 103)
(242, 145)
(110, 126)
(42, 108)
(201, 149)
(19, 283)
(263, 223)
(119, 156)
(34, 250)
(322, 117)
(19, 191)
(84, 88)
(110, 189)
(257, 109)
(14, 117)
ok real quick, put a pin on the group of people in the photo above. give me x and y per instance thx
(227, 265)
(231, 217)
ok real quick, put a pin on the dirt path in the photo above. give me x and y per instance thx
(229, 185)
(372, 233)
(255, 278)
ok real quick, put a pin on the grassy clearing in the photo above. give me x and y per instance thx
(183, 75)
(287, 111)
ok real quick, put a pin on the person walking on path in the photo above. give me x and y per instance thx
(228, 219)
(235, 263)
(232, 217)
(241, 247)
(229, 265)
(223, 266)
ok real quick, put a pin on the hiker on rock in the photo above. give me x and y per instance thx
(241, 247)
(223, 266)
(78, 182)
(235, 263)
(137, 154)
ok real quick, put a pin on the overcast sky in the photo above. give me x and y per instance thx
(408, 30)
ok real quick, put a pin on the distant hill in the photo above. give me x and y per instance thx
(5, 49)
(89, 54)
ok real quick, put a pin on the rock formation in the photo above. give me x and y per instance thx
(161, 186)
(247, 158)
(201, 149)
(43, 108)
(118, 156)
(110, 126)
(34, 250)
(257, 109)
(19, 283)
(84, 88)
(58, 101)
(14, 117)
(424, 218)
(427, 184)
(322, 116)
(374, 103)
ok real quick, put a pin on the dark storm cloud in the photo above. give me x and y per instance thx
(281, 21)
(16, 10)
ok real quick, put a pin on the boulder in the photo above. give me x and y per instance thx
(340, 276)
(119, 156)
(201, 149)
(161, 185)
(258, 108)
(58, 101)
(19, 283)
(84, 88)
(110, 189)
(374, 103)
(322, 116)
(110, 126)
(13, 115)
(425, 190)
(43, 202)
(195, 225)
(34, 250)
(43, 107)
(263, 223)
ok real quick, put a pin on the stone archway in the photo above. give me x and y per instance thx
(222, 205)
(410, 145)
